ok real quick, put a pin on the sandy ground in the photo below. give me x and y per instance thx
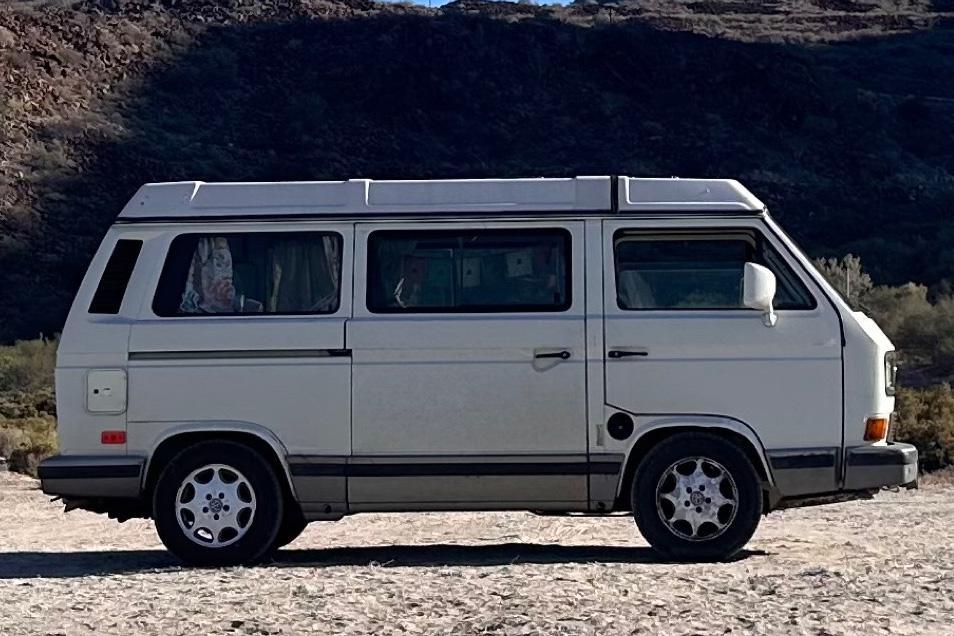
(884, 566)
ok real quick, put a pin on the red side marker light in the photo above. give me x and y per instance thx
(113, 437)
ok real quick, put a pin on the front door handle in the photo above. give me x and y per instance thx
(622, 353)
(563, 355)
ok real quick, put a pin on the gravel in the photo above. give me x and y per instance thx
(874, 567)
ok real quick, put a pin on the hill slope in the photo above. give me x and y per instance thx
(839, 114)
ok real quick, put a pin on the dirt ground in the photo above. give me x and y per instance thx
(884, 566)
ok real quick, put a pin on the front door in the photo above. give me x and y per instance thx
(469, 374)
(679, 341)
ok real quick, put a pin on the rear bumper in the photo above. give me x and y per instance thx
(92, 476)
(870, 467)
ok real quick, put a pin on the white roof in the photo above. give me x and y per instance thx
(366, 197)
(686, 195)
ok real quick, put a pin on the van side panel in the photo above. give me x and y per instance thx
(286, 374)
(91, 344)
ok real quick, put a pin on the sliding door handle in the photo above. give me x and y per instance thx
(562, 355)
(622, 353)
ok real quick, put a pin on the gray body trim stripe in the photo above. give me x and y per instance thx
(801, 471)
(394, 467)
(785, 462)
(228, 354)
(116, 471)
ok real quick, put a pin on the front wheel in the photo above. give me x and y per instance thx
(218, 503)
(697, 497)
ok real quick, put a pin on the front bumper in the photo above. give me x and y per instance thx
(871, 467)
(92, 476)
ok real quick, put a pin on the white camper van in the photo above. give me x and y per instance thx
(244, 358)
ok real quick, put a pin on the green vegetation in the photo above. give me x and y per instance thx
(919, 322)
(27, 406)
(926, 419)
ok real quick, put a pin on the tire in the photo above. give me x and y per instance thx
(245, 505)
(292, 526)
(709, 528)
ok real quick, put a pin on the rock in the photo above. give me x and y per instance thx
(7, 39)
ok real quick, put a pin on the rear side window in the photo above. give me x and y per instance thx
(251, 273)
(112, 286)
(702, 271)
(468, 271)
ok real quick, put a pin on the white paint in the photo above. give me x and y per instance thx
(363, 198)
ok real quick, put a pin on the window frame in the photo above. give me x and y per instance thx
(168, 265)
(371, 267)
(124, 256)
(750, 234)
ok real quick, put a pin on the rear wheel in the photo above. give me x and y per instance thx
(218, 503)
(697, 497)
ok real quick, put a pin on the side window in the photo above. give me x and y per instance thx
(251, 273)
(697, 271)
(470, 270)
(112, 286)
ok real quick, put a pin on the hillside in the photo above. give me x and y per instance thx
(840, 114)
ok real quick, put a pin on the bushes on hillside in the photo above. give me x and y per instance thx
(920, 324)
(925, 418)
(26, 442)
(27, 366)
(27, 405)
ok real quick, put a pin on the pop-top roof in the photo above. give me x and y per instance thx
(366, 197)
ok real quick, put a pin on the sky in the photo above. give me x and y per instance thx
(438, 3)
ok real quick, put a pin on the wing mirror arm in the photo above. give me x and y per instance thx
(758, 292)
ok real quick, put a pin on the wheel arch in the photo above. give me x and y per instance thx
(175, 439)
(659, 429)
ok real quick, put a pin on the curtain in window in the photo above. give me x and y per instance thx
(209, 286)
(305, 275)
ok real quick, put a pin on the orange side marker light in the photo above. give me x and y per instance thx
(876, 429)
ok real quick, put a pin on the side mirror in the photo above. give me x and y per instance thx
(758, 291)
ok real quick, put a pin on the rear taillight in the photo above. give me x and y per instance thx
(113, 437)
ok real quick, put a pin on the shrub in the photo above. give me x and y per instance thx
(26, 442)
(27, 405)
(27, 366)
(846, 275)
(925, 418)
(920, 326)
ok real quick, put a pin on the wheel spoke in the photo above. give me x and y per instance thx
(697, 474)
(672, 498)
